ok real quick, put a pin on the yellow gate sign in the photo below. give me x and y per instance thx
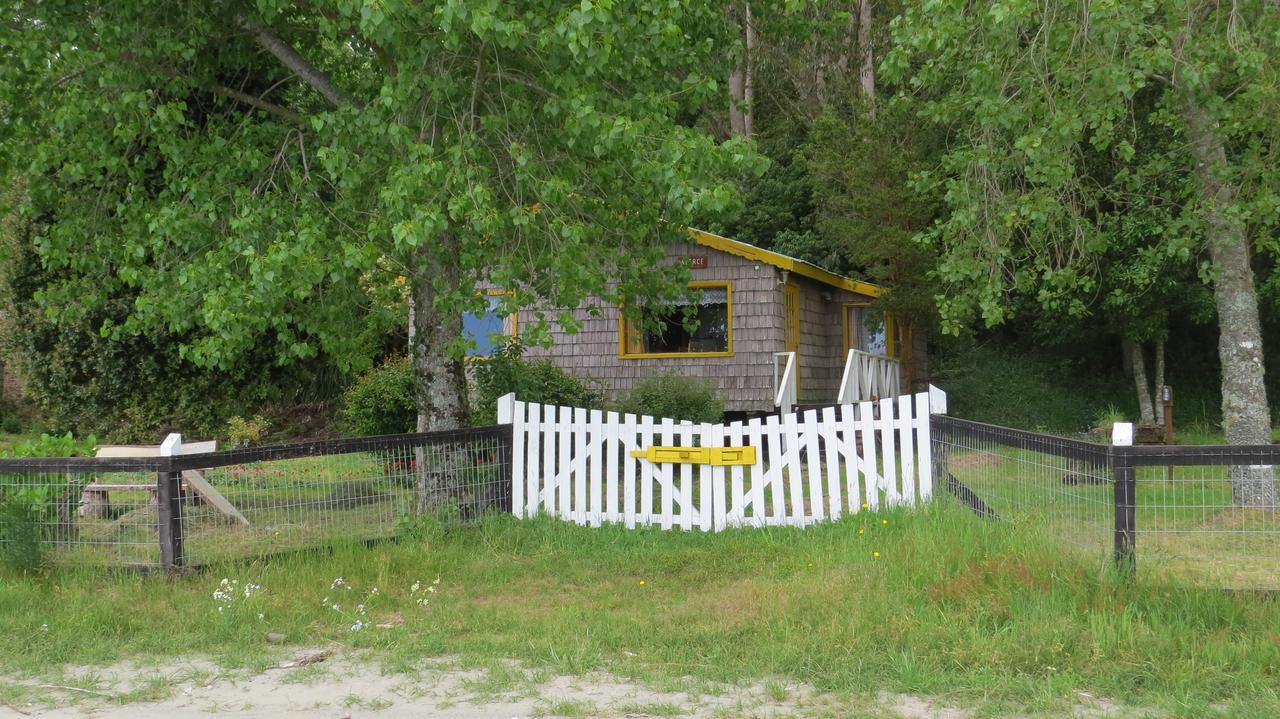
(714, 456)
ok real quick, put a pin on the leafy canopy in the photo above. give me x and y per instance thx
(1067, 177)
(169, 149)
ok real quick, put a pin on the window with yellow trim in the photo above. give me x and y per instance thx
(870, 330)
(701, 324)
(488, 331)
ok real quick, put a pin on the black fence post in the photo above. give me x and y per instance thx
(169, 500)
(1125, 480)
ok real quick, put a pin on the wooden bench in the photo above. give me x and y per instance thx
(95, 498)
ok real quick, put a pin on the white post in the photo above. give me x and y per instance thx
(937, 401)
(506, 408)
(171, 446)
(1122, 434)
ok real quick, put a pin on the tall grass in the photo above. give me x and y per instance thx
(934, 601)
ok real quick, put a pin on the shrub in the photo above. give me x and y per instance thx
(531, 380)
(30, 512)
(381, 401)
(675, 396)
(243, 432)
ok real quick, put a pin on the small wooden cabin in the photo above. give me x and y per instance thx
(754, 305)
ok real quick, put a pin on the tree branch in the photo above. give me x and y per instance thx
(283, 52)
(244, 97)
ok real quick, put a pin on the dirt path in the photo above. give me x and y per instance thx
(348, 686)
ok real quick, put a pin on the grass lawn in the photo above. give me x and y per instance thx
(986, 614)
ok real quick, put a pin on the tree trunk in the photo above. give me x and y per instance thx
(1146, 408)
(867, 66)
(741, 83)
(1246, 416)
(440, 382)
(1159, 385)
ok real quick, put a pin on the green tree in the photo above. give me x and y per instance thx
(260, 171)
(1069, 119)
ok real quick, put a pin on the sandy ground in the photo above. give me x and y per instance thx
(347, 686)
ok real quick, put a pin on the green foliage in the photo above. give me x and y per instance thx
(450, 144)
(1022, 388)
(65, 445)
(675, 396)
(37, 508)
(1067, 177)
(381, 401)
(241, 432)
(532, 381)
(127, 387)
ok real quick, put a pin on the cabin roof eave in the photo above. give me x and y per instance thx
(783, 262)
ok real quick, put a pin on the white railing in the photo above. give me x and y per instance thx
(593, 467)
(785, 387)
(868, 376)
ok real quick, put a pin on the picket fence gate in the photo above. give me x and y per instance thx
(578, 465)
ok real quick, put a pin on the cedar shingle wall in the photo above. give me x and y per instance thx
(745, 379)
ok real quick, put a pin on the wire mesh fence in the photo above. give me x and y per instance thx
(1063, 487)
(1203, 516)
(1208, 515)
(201, 508)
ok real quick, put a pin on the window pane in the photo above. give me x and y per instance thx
(484, 330)
(708, 331)
(871, 336)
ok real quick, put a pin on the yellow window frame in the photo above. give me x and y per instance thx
(513, 319)
(625, 329)
(890, 328)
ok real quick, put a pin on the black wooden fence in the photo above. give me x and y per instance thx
(1191, 514)
(194, 509)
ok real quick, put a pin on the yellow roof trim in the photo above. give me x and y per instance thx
(790, 264)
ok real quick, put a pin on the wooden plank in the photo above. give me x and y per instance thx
(711, 482)
(153, 450)
(757, 479)
(795, 513)
(550, 450)
(613, 427)
(629, 470)
(813, 469)
(198, 484)
(830, 433)
(664, 472)
(736, 501)
(688, 513)
(888, 443)
(582, 438)
(646, 514)
(517, 411)
(870, 463)
(564, 462)
(775, 471)
(534, 429)
(924, 446)
(852, 464)
(595, 509)
(908, 451)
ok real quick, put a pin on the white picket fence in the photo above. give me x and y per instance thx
(577, 464)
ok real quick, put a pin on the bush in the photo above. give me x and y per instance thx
(531, 380)
(381, 401)
(675, 396)
(243, 432)
(33, 513)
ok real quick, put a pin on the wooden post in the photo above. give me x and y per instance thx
(169, 492)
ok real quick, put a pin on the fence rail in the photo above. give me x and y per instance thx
(868, 376)
(1205, 515)
(192, 509)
